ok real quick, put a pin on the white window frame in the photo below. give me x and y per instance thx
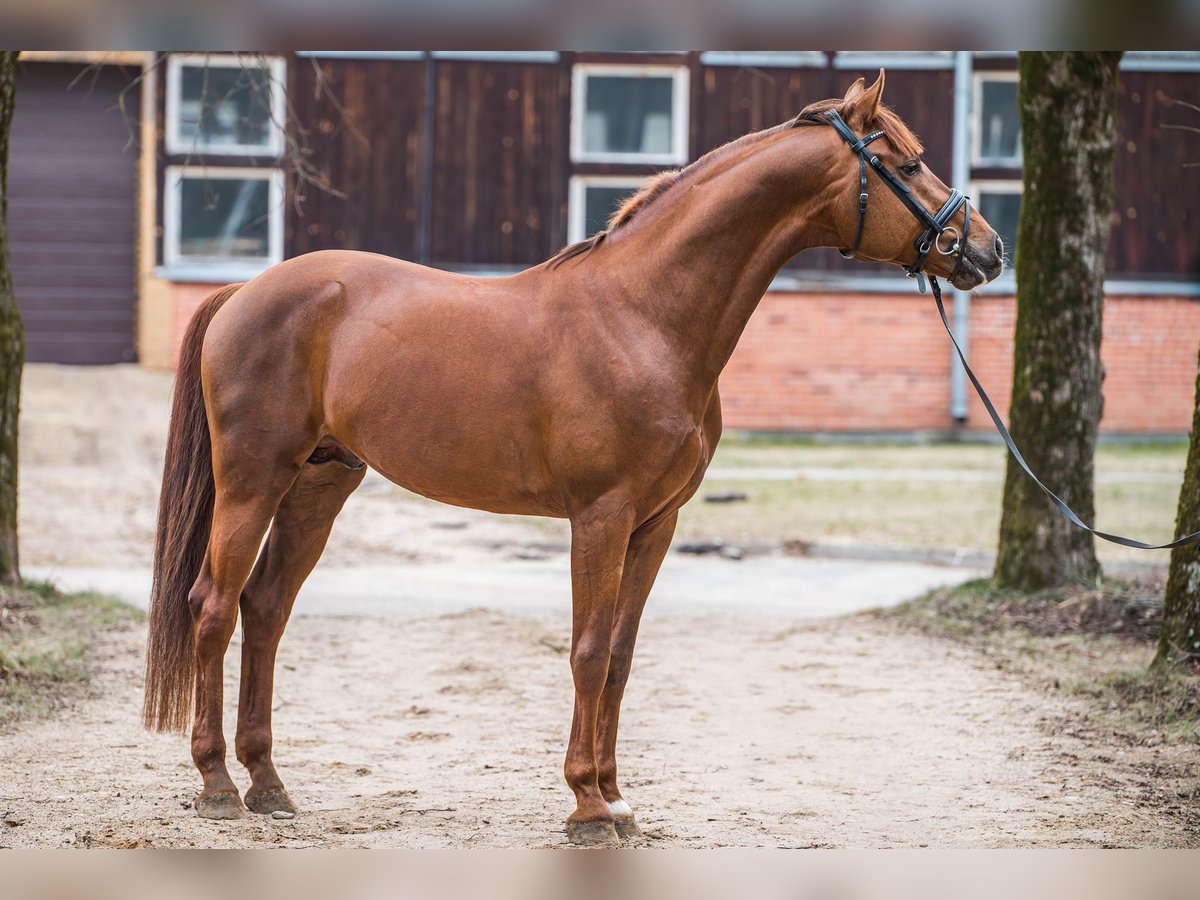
(977, 159)
(179, 145)
(577, 198)
(979, 186)
(680, 107)
(172, 189)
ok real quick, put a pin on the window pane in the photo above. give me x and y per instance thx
(225, 106)
(1000, 125)
(224, 217)
(600, 203)
(1003, 212)
(628, 114)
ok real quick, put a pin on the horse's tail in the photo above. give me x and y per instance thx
(185, 509)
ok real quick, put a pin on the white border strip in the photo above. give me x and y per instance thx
(766, 58)
(893, 59)
(362, 54)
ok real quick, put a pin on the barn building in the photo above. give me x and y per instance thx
(141, 181)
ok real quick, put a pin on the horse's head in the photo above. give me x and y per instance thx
(893, 229)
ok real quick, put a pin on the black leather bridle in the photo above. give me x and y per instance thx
(937, 227)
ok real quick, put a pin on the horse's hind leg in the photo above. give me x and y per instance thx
(296, 541)
(248, 493)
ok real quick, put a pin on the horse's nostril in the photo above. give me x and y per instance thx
(999, 247)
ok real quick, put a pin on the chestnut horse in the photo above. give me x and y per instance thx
(584, 388)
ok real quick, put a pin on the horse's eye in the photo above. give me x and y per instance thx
(910, 169)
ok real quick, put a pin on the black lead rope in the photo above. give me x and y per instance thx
(1063, 508)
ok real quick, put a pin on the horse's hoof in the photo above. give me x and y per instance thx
(627, 828)
(592, 834)
(269, 800)
(223, 805)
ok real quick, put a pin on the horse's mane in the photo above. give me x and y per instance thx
(897, 133)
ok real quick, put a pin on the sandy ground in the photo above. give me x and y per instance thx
(406, 726)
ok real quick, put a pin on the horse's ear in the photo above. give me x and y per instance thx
(864, 106)
(854, 90)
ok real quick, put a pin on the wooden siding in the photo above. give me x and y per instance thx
(364, 121)
(499, 159)
(1157, 212)
(500, 156)
(72, 212)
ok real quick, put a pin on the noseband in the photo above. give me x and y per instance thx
(937, 231)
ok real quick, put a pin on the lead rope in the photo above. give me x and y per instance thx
(1063, 508)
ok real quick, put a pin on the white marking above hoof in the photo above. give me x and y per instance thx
(620, 809)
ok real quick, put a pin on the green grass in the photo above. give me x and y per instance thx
(940, 514)
(45, 637)
(747, 450)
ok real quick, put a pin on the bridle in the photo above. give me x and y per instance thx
(936, 226)
(931, 238)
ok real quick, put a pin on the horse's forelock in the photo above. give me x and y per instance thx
(895, 130)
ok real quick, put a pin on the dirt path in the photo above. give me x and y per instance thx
(448, 731)
(740, 727)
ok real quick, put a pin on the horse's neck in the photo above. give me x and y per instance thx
(706, 253)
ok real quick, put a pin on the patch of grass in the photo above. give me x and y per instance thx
(741, 450)
(1093, 643)
(1167, 698)
(45, 636)
(903, 513)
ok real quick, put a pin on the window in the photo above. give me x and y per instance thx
(997, 122)
(225, 105)
(594, 199)
(1000, 203)
(629, 114)
(223, 216)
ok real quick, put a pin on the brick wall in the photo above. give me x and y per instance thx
(840, 362)
(881, 362)
(1149, 352)
(846, 362)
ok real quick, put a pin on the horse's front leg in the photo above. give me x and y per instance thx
(647, 548)
(599, 541)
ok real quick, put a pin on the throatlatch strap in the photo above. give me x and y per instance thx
(1063, 508)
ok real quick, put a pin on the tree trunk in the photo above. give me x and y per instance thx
(1180, 638)
(12, 342)
(1068, 106)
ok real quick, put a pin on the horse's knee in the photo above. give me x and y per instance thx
(620, 663)
(589, 663)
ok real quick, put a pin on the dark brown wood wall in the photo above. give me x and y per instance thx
(500, 156)
(364, 123)
(1156, 229)
(72, 212)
